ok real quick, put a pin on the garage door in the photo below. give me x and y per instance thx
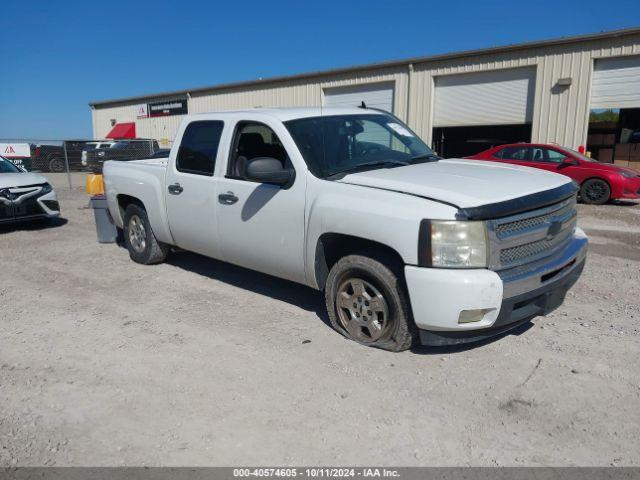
(374, 96)
(616, 83)
(499, 97)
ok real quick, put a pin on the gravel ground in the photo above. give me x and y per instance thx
(196, 362)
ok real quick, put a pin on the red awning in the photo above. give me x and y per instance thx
(122, 130)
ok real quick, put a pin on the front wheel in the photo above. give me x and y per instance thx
(366, 302)
(595, 191)
(139, 238)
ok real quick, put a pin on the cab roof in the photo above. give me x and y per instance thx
(285, 114)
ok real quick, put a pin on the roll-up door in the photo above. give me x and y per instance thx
(616, 83)
(498, 97)
(374, 96)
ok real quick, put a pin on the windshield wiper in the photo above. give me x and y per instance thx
(383, 163)
(427, 156)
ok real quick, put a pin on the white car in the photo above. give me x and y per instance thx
(25, 195)
(407, 247)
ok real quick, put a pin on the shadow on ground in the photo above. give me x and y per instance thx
(33, 225)
(296, 294)
(293, 293)
(623, 203)
(423, 350)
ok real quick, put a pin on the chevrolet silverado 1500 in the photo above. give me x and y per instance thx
(408, 248)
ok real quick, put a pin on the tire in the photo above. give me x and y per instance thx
(595, 192)
(367, 303)
(139, 239)
(57, 165)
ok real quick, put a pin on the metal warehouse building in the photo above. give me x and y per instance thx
(574, 91)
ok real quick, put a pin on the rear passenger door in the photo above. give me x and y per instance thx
(191, 190)
(262, 225)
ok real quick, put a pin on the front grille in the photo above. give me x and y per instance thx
(27, 208)
(532, 250)
(19, 202)
(509, 228)
(531, 236)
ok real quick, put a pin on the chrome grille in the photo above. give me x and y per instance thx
(532, 250)
(530, 236)
(509, 228)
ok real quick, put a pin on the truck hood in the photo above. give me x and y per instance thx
(460, 182)
(20, 179)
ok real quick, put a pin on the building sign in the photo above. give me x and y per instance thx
(15, 150)
(18, 153)
(142, 110)
(172, 107)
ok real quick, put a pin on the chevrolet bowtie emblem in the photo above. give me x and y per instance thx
(554, 229)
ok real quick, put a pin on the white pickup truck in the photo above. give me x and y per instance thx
(408, 248)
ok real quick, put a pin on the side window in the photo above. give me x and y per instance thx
(514, 153)
(555, 156)
(199, 147)
(254, 140)
(538, 154)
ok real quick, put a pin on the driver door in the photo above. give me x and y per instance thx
(261, 225)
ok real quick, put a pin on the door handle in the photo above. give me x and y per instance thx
(175, 189)
(228, 198)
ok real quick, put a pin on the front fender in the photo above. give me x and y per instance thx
(386, 217)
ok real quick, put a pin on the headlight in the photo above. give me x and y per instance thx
(628, 174)
(46, 188)
(454, 244)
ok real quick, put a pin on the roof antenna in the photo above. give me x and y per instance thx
(363, 105)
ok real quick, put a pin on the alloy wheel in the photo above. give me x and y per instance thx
(137, 234)
(596, 192)
(362, 310)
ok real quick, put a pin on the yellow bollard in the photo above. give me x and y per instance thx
(94, 185)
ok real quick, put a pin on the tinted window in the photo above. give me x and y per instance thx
(513, 153)
(199, 147)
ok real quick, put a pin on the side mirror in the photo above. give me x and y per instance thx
(269, 170)
(568, 162)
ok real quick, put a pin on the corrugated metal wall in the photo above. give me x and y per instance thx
(560, 114)
(298, 93)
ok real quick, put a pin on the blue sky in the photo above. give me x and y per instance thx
(57, 56)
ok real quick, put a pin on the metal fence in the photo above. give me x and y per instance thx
(68, 156)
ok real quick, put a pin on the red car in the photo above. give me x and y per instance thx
(599, 182)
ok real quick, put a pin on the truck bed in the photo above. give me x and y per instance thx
(143, 180)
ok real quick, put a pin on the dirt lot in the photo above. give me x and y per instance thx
(196, 362)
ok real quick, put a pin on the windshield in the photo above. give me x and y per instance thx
(339, 143)
(7, 167)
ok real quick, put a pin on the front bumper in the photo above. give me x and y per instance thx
(439, 296)
(630, 189)
(29, 207)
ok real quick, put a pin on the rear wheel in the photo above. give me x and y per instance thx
(139, 238)
(367, 303)
(595, 191)
(57, 165)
